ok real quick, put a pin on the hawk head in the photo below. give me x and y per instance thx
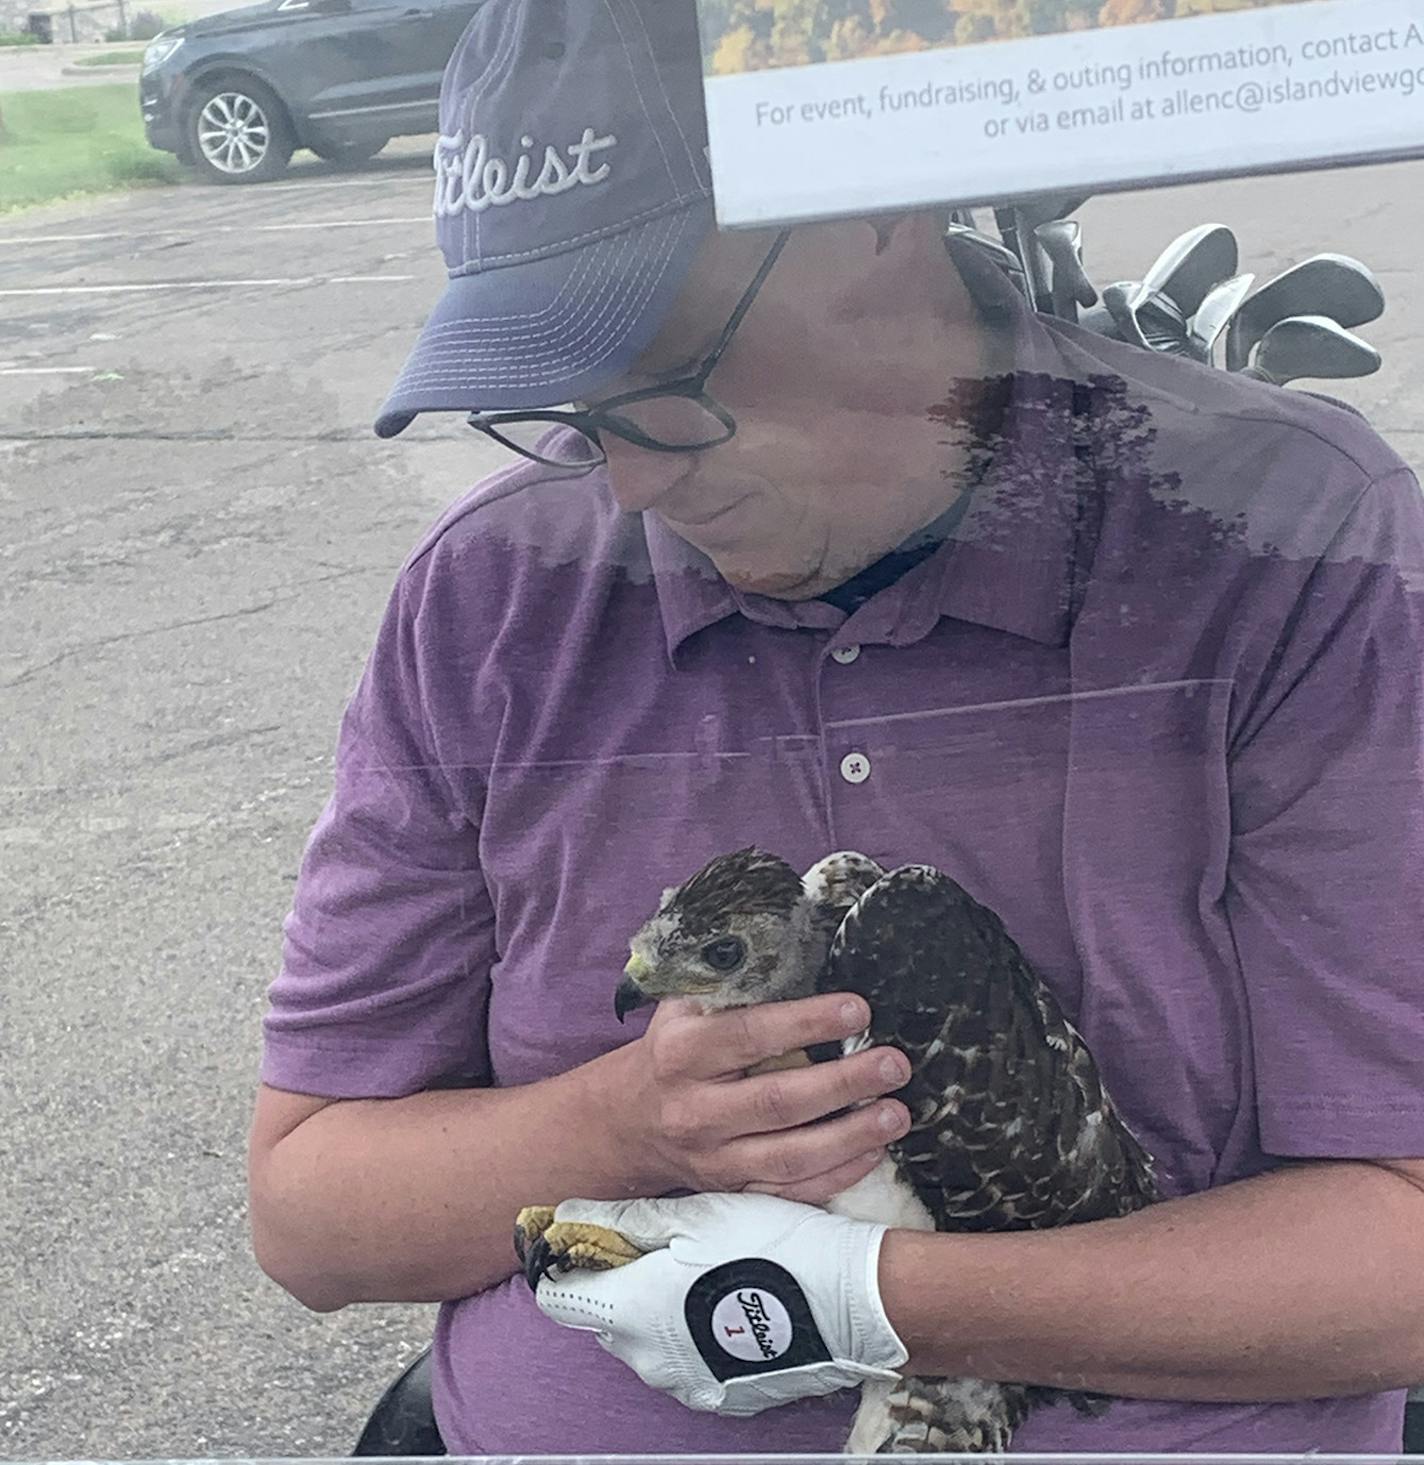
(742, 930)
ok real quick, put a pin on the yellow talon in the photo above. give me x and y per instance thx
(533, 1221)
(580, 1244)
(548, 1247)
(529, 1226)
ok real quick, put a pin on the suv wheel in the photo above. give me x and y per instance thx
(347, 154)
(238, 132)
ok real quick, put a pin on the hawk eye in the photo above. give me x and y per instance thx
(725, 955)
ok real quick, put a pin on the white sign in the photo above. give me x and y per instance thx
(835, 115)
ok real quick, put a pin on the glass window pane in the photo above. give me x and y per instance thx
(1022, 632)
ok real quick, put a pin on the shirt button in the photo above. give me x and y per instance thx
(846, 654)
(855, 768)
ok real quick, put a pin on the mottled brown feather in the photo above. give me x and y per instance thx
(749, 882)
(1011, 1126)
(988, 1045)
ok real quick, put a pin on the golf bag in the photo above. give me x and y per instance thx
(1193, 301)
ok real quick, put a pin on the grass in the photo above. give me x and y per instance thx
(75, 140)
(129, 57)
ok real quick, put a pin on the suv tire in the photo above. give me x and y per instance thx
(238, 131)
(349, 154)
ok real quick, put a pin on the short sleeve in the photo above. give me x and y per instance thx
(388, 946)
(1326, 877)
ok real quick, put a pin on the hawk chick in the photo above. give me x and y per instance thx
(1011, 1127)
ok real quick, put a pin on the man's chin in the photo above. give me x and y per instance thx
(778, 586)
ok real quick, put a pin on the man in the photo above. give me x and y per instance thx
(844, 548)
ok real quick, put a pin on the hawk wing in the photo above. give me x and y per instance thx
(1012, 1128)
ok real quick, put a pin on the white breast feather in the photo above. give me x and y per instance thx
(884, 1196)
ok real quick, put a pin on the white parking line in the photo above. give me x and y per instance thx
(216, 229)
(383, 180)
(48, 370)
(208, 285)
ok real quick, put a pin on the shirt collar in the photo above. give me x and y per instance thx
(692, 595)
(1012, 564)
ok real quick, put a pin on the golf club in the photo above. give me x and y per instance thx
(1191, 266)
(1017, 224)
(1118, 302)
(1333, 285)
(1017, 232)
(1215, 314)
(1006, 258)
(1163, 324)
(1062, 240)
(1100, 318)
(1312, 346)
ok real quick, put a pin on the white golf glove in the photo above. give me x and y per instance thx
(744, 1302)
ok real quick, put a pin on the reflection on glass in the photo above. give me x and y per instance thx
(1033, 592)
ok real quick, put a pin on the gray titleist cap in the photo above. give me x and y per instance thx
(572, 194)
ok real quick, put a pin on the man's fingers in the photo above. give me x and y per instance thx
(769, 1102)
(799, 1155)
(711, 1045)
(821, 1189)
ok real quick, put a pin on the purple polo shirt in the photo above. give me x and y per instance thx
(1158, 702)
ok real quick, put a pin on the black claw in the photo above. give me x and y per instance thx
(541, 1262)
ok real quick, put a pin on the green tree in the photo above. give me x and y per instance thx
(794, 32)
(991, 20)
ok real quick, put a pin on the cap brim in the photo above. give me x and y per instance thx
(548, 331)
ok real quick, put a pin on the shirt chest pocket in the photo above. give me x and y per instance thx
(1023, 801)
(577, 855)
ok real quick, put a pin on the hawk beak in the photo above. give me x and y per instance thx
(630, 994)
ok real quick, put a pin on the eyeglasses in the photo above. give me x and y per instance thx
(677, 416)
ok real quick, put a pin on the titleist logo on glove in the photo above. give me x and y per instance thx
(769, 1332)
(749, 1316)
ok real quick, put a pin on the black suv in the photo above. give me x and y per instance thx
(234, 94)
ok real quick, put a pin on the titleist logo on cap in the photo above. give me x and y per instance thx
(468, 175)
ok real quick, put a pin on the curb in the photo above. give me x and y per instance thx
(118, 73)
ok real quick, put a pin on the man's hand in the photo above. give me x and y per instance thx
(699, 1123)
(742, 1303)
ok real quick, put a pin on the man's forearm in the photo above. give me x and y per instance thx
(1305, 1283)
(414, 1200)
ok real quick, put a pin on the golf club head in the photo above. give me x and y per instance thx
(1216, 313)
(1152, 322)
(1061, 241)
(1164, 326)
(1116, 315)
(1017, 223)
(1118, 304)
(1332, 285)
(1312, 346)
(1099, 320)
(1007, 259)
(1192, 265)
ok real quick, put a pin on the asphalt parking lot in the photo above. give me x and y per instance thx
(198, 534)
